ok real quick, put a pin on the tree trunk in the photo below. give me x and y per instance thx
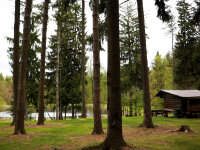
(84, 110)
(57, 72)
(26, 109)
(19, 123)
(145, 76)
(72, 111)
(136, 98)
(42, 64)
(60, 111)
(123, 110)
(114, 138)
(16, 56)
(96, 65)
(130, 105)
(65, 112)
(172, 58)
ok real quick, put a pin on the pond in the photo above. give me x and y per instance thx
(52, 114)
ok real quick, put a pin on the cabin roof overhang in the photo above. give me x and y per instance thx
(184, 94)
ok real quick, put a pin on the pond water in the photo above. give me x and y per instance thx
(49, 115)
(34, 116)
(5, 114)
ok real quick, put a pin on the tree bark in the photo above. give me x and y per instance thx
(145, 76)
(84, 109)
(130, 105)
(16, 56)
(60, 111)
(19, 123)
(72, 111)
(172, 58)
(96, 65)
(57, 72)
(26, 109)
(42, 64)
(65, 112)
(114, 138)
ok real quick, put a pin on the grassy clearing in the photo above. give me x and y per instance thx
(76, 134)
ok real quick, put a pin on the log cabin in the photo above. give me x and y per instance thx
(181, 101)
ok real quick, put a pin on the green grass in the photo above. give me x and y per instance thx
(76, 134)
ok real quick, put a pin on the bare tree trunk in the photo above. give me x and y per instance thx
(19, 123)
(136, 99)
(42, 64)
(57, 73)
(123, 109)
(84, 110)
(60, 111)
(130, 105)
(65, 112)
(114, 138)
(26, 109)
(172, 58)
(96, 65)
(72, 111)
(145, 76)
(16, 56)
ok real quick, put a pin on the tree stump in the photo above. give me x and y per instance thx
(184, 128)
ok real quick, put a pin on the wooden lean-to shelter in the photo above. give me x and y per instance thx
(181, 101)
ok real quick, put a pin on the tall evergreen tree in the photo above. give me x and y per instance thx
(19, 123)
(114, 138)
(130, 52)
(96, 76)
(84, 109)
(57, 59)
(184, 47)
(32, 74)
(42, 64)
(33, 65)
(69, 60)
(171, 29)
(16, 56)
(144, 65)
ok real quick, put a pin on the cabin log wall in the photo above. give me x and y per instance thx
(172, 102)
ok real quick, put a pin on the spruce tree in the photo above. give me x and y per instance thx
(144, 67)
(130, 52)
(42, 64)
(16, 56)
(114, 138)
(96, 76)
(19, 123)
(69, 60)
(184, 47)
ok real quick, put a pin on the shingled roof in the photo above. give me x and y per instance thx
(181, 93)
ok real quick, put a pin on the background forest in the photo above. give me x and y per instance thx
(60, 80)
(179, 69)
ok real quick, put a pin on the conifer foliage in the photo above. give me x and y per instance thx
(185, 52)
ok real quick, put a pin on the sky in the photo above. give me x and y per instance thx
(158, 40)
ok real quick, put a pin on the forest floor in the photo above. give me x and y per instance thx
(76, 134)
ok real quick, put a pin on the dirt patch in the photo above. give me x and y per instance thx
(135, 132)
(90, 137)
(82, 140)
(21, 136)
(46, 147)
(46, 125)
